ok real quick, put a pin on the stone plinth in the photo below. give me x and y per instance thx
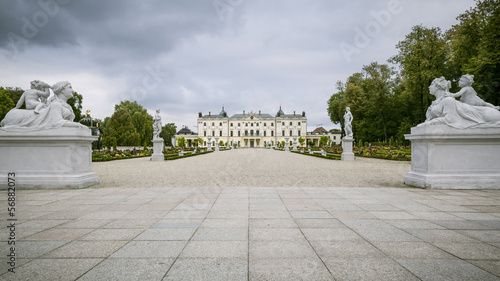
(157, 150)
(446, 158)
(294, 148)
(287, 148)
(216, 143)
(347, 154)
(49, 159)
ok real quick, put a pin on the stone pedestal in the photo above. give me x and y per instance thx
(157, 150)
(347, 154)
(209, 143)
(443, 157)
(287, 148)
(294, 148)
(48, 159)
(216, 143)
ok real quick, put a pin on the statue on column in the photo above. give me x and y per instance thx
(157, 125)
(347, 122)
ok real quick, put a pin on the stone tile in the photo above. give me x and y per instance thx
(288, 269)
(352, 215)
(186, 214)
(227, 214)
(54, 269)
(66, 215)
(243, 222)
(103, 215)
(409, 224)
(412, 250)
(84, 223)
(393, 215)
(35, 249)
(492, 267)
(112, 234)
(208, 269)
(260, 249)
(150, 249)
(275, 234)
(475, 216)
(125, 223)
(345, 249)
(334, 234)
(482, 235)
(216, 249)
(311, 215)
(172, 223)
(221, 234)
(440, 235)
(319, 223)
(269, 214)
(267, 207)
(368, 269)
(56, 234)
(129, 269)
(445, 269)
(41, 224)
(168, 233)
(86, 249)
(272, 223)
(436, 216)
(377, 207)
(140, 215)
(472, 251)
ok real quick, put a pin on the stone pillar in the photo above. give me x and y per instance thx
(294, 143)
(287, 148)
(209, 143)
(216, 143)
(157, 150)
(347, 154)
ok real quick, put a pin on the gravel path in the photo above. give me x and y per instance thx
(251, 168)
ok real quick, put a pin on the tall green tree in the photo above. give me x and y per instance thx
(167, 132)
(143, 122)
(422, 57)
(336, 104)
(121, 128)
(76, 104)
(475, 45)
(6, 103)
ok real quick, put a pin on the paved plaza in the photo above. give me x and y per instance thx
(253, 214)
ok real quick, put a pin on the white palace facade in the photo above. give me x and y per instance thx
(251, 129)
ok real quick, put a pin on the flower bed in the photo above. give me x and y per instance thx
(401, 153)
(100, 156)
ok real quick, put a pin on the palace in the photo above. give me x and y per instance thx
(252, 129)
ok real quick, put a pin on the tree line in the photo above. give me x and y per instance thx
(386, 100)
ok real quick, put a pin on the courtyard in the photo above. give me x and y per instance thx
(254, 214)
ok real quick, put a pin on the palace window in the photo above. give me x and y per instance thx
(290, 132)
(231, 133)
(298, 123)
(239, 133)
(204, 143)
(257, 133)
(272, 124)
(213, 133)
(299, 133)
(291, 123)
(251, 133)
(238, 124)
(220, 124)
(231, 124)
(251, 124)
(205, 133)
(220, 133)
(283, 133)
(265, 124)
(264, 133)
(213, 123)
(272, 133)
(246, 124)
(282, 123)
(257, 124)
(204, 123)
(246, 133)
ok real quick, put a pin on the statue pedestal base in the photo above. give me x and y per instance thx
(443, 157)
(157, 150)
(347, 154)
(47, 159)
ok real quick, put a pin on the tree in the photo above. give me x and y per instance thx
(76, 104)
(142, 121)
(181, 142)
(323, 141)
(6, 103)
(15, 94)
(422, 57)
(200, 141)
(475, 48)
(120, 127)
(168, 132)
(336, 105)
(301, 141)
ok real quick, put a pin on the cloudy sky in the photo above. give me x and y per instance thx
(187, 56)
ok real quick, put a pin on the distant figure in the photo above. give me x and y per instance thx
(36, 97)
(157, 125)
(468, 95)
(347, 124)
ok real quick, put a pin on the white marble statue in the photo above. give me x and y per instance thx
(54, 114)
(36, 97)
(347, 122)
(157, 125)
(446, 110)
(468, 95)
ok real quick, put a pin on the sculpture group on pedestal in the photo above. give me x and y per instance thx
(458, 145)
(42, 145)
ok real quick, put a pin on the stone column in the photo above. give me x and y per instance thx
(294, 143)
(287, 148)
(157, 150)
(209, 143)
(216, 143)
(347, 154)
